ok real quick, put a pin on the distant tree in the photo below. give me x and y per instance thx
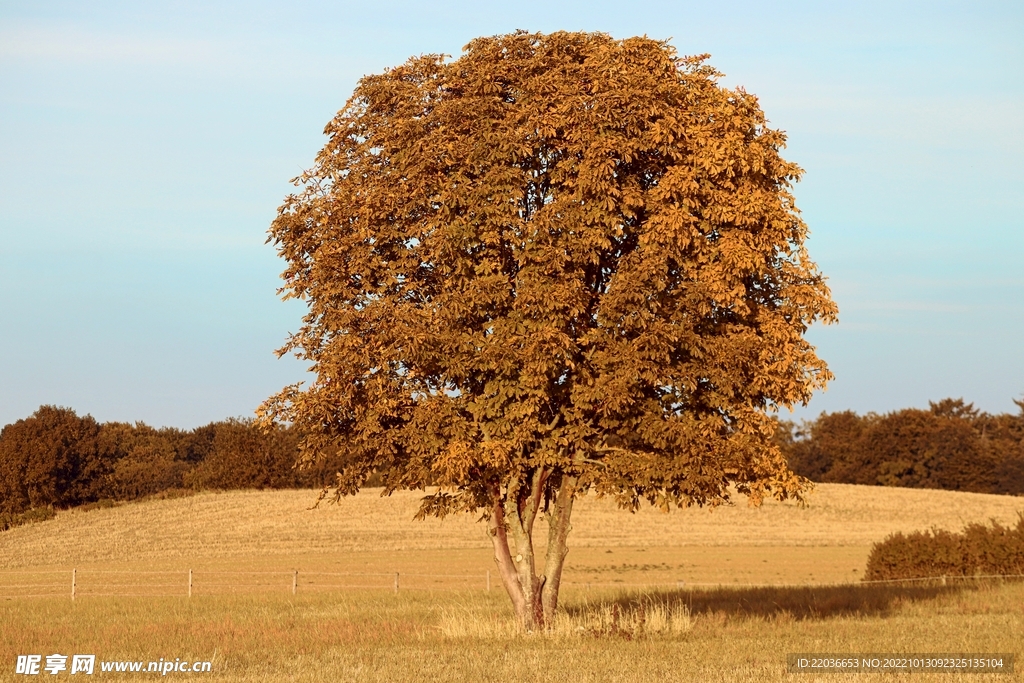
(55, 458)
(928, 449)
(197, 445)
(829, 449)
(244, 457)
(51, 458)
(559, 263)
(149, 460)
(1003, 437)
(954, 408)
(951, 446)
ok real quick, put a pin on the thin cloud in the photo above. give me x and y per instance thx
(242, 60)
(66, 44)
(916, 307)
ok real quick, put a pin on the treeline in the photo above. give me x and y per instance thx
(950, 446)
(57, 459)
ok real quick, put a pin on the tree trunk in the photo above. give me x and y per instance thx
(558, 532)
(510, 526)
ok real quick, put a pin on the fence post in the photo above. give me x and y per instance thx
(943, 579)
(295, 581)
(488, 580)
(190, 583)
(396, 582)
(73, 577)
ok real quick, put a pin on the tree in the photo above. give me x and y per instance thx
(927, 449)
(1004, 435)
(245, 457)
(149, 460)
(50, 459)
(829, 449)
(557, 264)
(951, 446)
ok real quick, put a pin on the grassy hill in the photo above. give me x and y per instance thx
(825, 541)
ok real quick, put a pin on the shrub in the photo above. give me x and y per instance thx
(9, 520)
(101, 504)
(977, 550)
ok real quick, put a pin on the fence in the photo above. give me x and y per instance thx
(75, 583)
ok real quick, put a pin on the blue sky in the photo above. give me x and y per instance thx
(145, 147)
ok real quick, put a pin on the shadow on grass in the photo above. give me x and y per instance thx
(796, 602)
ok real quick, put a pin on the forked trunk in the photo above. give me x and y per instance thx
(510, 526)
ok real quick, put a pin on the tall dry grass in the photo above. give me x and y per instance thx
(639, 616)
(719, 635)
(604, 633)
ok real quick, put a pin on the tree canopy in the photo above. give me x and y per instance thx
(57, 459)
(53, 458)
(557, 264)
(950, 446)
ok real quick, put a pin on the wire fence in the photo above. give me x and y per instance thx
(78, 583)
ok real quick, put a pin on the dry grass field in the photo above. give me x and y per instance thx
(825, 541)
(613, 628)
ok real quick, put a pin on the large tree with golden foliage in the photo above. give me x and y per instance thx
(557, 264)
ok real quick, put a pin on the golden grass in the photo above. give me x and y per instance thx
(280, 522)
(605, 632)
(644, 615)
(826, 541)
(715, 635)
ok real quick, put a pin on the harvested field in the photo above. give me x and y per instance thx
(615, 624)
(823, 542)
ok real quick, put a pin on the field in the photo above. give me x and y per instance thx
(627, 617)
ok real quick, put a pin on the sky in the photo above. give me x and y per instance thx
(145, 148)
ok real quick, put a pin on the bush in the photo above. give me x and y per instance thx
(977, 550)
(9, 520)
(101, 504)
